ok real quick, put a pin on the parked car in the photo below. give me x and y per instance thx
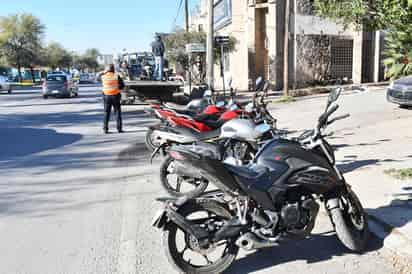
(59, 85)
(4, 84)
(85, 78)
(400, 92)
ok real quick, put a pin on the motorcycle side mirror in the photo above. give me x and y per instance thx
(334, 95)
(259, 83)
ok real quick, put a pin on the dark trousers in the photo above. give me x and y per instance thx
(109, 102)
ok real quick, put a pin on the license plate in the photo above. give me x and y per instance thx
(158, 216)
(55, 91)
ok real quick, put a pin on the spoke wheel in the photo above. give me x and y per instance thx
(185, 252)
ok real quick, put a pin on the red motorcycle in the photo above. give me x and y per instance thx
(211, 118)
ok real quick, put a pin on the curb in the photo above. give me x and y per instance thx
(393, 239)
(308, 93)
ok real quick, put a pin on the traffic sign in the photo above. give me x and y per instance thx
(195, 48)
(222, 39)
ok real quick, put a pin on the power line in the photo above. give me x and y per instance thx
(178, 13)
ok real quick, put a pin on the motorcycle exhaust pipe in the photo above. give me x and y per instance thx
(186, 225)
(173, 137)
(250, 241)
(186, 170)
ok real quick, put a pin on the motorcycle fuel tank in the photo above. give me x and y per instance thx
(306, 168)
(242, 129)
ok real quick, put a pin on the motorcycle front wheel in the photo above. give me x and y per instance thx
(351, 222)
(177, 185)
(183, 250)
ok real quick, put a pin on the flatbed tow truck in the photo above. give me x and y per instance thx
(139, 87)
(137, 91)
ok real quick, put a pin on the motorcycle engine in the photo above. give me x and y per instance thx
(298, 215)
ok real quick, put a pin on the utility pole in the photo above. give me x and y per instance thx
(210, 45)
(187, 14)
(286, 50)
(189, 68)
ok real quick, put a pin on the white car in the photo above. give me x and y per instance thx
(4, 84)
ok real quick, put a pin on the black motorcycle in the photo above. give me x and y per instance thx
(262, 204)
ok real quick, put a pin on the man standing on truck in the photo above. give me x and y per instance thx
(158, 50)
(112, 85)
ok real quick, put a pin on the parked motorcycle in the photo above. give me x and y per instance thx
(203, 125)
(271, 200)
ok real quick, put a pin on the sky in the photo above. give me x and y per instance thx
(107, 25)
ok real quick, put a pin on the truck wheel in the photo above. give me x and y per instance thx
(9, 91)
(45, 96)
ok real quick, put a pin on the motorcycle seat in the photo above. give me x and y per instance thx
(198, 136)
(248, 172)
(174, 106)
(214, 123)
(209, 150)
(204, 136)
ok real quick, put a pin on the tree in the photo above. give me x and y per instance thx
(367, 14)
(398, 54)
(176, 41)
(286, 51)
(89, 58)
(21, 37)
(57, 56)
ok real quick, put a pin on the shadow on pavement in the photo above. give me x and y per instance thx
(19, 142)
(317, 248)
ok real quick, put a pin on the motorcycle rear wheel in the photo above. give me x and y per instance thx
(149, 140)
(351, 222)
(172, 242)
(166, 169)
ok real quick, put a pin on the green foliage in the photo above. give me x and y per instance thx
(21, 37)
(56, 56)
(402, 174)
(175, 44)
(398, 53)
(393, 16)
(286, 99)
(370, 15)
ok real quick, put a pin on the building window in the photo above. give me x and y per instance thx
(342, 58)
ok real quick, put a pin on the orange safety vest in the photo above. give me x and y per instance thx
(110, 83)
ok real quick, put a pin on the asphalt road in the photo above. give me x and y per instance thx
(73, 200)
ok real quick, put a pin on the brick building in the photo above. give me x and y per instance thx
(320, 51)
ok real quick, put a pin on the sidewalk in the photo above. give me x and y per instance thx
(386, 199)
(311, 92)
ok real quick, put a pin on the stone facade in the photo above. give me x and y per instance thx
(320, 51)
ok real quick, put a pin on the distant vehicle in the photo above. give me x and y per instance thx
(59, 85)
(400, 92)
(85, 78)
(4, 84)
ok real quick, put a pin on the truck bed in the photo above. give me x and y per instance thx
(144, 83)
(141, 90)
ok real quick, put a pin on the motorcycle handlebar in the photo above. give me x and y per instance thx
(339, 118)
(324, 117)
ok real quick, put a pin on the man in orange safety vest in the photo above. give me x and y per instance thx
(112, 85)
